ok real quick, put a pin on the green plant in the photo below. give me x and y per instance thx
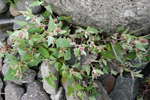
(44, 38)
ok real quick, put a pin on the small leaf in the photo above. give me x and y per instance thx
(50, 40)
(101, 30)
(67, 56)
(120, 29)
(131, 55)
(49, 9)
(10, 74)
(78, 87)
(61, 42)
(31, 42)
(21, 52)
(21, 23)
(50, 82)
(26, 57)
(64, 18)
(139, 46)
(126, 30)
(36, 3)
(88, 69)
(70, 90)
(108, 55)
(76, 65)
(51, 24)
(57, 66)
(91, 30)
(76, 52)
(108, 47)
(43, 52)
(34, 30)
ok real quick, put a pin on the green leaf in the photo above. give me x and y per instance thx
(78, 87)
(51, 24)
(43, 52)
(139, 46)
(108, 47)
(107, 54)
(131, 55)
(12, 62)
(31, 42)
(21, 23)
(34, 30)
(57, 66)
(64, 18)
(36, 3)
(10, 74)
(120, 29)
(87, 69)
(70, 90)
(101, 30)
(79, 76)
(21, 52)
(50, 40)
(49, 9)
(126, 30)
(50, 82)
(76, 52)
(26, 57)
(1, 55)
(9, 56)
(76, 65)
(67, 56)
(91, 30)
(61, 42)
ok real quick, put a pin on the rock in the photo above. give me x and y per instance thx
(72, 97)
(106, 14)
(100, 89)
(3, 6)
(60, 95)
(19, 18)
(13, 92)
(45, 69)
(22, 4)
(125, 88)
(1, 87)
(28, 76)
(108, 82)
(35, 92)
(14, 11)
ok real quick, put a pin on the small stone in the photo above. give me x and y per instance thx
(14, 11)
(22, 4)
(3, 6)
(125, 88)
(45, 69)
(13, 92)
(108, 82)
(35, 92)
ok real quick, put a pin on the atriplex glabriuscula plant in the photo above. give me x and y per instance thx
(45, 38)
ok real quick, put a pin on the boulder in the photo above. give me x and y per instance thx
(125, 88)
(106, 14)
(35, 92)
(3, 6)
(45, 69)
(13, 92)
(22, 4)
(28, 76)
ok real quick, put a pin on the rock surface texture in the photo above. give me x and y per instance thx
(3, 6)
(1, 86)
(125, 89)
(35, 92)
(105, 13)
(13, 92)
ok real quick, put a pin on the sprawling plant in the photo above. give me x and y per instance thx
(45, 38)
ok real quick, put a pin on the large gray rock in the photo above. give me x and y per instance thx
(22, 4)
(13, 92)
(106, 14)
(45, 69)
(126, 88)
(35, 92)
(3, 6)
(28, 76)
